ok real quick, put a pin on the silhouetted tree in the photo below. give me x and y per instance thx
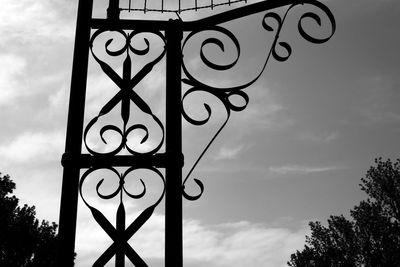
(24, 242)
(371, 238)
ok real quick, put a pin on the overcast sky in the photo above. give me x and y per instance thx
(312, 128)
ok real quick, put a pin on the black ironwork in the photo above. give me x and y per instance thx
(174, 36)
(120, 234)
(73, 144)
(143, 6)
(126, 95)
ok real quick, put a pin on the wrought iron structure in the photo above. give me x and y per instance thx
(174, 36)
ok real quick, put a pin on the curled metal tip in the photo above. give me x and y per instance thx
(193, 197)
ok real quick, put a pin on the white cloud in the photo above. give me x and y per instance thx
(232, 244)
(33, 145)
(17, 80)
(11, 72)
(31, 21)
(228, 152)
(59, 99)
(250, 244)
(29, 30)
(300, 169)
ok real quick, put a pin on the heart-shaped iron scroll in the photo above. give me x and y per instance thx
(126, 95)
(120, 234)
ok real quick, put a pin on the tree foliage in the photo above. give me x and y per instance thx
(24, 242)
(371, 238)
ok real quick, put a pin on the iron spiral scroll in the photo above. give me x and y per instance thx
(126, 96)
(225, 94)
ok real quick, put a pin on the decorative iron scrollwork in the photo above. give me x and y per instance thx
(121, 234)
(224, 95)
(126, 95)
(132, 133)
(228, 96)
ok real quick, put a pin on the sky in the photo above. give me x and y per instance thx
(312, 128)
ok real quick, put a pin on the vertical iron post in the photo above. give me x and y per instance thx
(173, 147)
(70, 183)
(113, 10)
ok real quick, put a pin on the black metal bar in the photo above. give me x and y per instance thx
(141, 161)
(69, 194)
(173, 146)
(120, 227)
(113, 10)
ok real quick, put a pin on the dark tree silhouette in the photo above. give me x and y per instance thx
(371, 238)
(24, 242)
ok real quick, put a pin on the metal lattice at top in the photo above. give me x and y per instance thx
(175, 6)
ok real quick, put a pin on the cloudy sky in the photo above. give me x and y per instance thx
(313, 126)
